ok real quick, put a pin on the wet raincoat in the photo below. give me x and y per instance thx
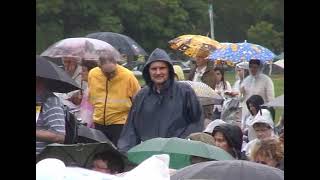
(259, 84)
(174, 112)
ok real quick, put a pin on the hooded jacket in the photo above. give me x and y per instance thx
(264, 118)
(259, 84)
(174, 112)
(233, 135)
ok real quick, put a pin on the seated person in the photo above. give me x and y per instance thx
(263, 128)
(269, 152)
(107, 162)
(229, 138)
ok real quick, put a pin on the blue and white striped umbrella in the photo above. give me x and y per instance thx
(236, 52)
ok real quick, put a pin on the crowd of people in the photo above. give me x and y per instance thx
(113, 102)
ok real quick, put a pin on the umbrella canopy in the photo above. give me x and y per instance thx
(56, 79)
(229, 170)
(194, 45)
(280, 63)
(179, 150)
(205, 93)
(237, 52)
(77, 154)
(276, 102)
(80, 48)
(124, 44)
(90, 135)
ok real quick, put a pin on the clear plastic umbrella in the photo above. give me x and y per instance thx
(205, 93)
(276, 102)
(81, 48)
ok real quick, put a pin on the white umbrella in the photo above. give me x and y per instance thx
(277, 102)
(280, 63)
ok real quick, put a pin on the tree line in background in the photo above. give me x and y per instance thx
(152, 23)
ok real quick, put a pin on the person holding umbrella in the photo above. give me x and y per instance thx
(163, 108)
(203, 72)
(50, 119)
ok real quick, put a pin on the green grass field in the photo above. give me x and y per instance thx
(277, 81)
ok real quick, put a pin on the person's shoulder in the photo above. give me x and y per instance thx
(266, 77)
(250, 145)
(125, 71)
(52, 101)
(95, 71)
(142, 91)
(184, 87)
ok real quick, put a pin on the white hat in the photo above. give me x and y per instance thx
(212, 125)
(264, 118)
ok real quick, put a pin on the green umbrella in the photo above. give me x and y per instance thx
(180, 151)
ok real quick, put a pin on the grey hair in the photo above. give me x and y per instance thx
(112, 56)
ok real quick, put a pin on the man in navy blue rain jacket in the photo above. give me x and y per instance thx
(163, 108)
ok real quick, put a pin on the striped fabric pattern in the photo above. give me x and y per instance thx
(51, 118)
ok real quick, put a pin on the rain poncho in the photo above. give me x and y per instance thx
(264, 118)
(174, 112)
(238, 82)
(260, 84)
(257, 102)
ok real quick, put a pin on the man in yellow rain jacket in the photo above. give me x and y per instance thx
(111, 91)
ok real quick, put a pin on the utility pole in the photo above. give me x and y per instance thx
(211, 18)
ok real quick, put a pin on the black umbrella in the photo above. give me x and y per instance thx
(229, 170)
(78, 154)
(90, 135)
(123, 43)
(56, 79)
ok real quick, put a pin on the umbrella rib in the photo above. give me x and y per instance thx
(69, 154)
(95, 150)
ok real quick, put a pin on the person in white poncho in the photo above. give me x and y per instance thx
(263, 128)
(256, 83)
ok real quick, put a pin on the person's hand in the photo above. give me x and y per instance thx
(76, 98)
(235, 93)
(231, 93)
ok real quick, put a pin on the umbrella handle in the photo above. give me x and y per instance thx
(81, 90)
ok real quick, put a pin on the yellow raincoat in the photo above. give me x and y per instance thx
(112, 99)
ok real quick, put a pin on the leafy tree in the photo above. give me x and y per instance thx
(263, 33)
